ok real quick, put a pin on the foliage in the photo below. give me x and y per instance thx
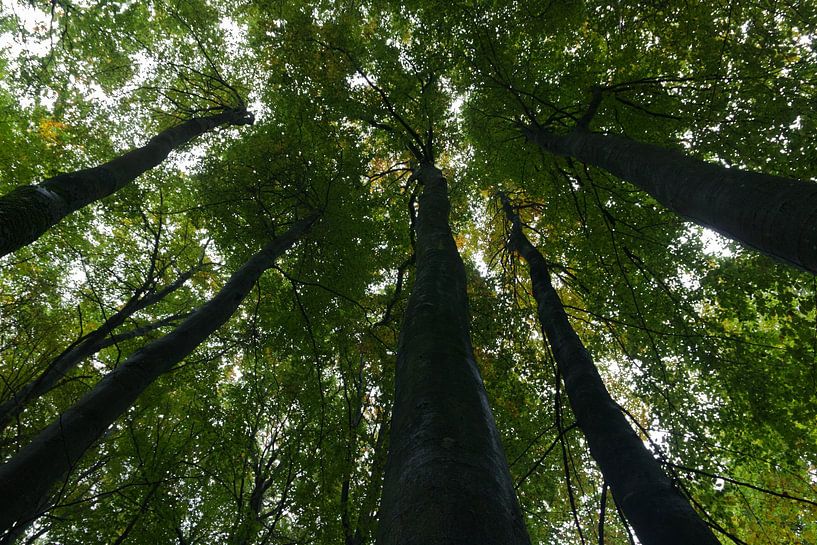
(275, 429)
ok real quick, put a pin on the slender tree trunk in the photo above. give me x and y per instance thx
(368, 507)
(143, 507)
(90, 344)
(70, 358)
(447, 480)
(29, 475)
(656, 509)
(29, 211)
(775, 215)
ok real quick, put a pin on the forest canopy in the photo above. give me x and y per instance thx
(371, 272)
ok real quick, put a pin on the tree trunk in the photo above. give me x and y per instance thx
(656, 510)
(29, 211)
(447, 480)
(775, 215)
(29, 475)
(90, 344)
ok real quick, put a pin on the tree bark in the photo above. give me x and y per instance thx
(29, 211)
(657, 511)
(29, 475)
(90, 344)
(447, 480)
(775, 215)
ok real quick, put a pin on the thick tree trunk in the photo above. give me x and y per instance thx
(29, 211)
(775, 215)
(656, 510)
(90, 344)
(29, 475)
(447, 480)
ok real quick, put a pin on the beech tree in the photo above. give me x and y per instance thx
(770, 213)
(28, 211)
(655, 508)
(28, 475)
(387, 380)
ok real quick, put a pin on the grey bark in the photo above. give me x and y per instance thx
(29, 211)
(655, 508)
(447, 480)
(31, 473)
(775, 215)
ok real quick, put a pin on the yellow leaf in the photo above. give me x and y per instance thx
(49, 129)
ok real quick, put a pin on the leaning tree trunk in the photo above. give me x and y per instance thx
(447, 479)
(775, 215)
(30, 474)
(49, 379)
(29, 211)
(88, 345)
(656, 509)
